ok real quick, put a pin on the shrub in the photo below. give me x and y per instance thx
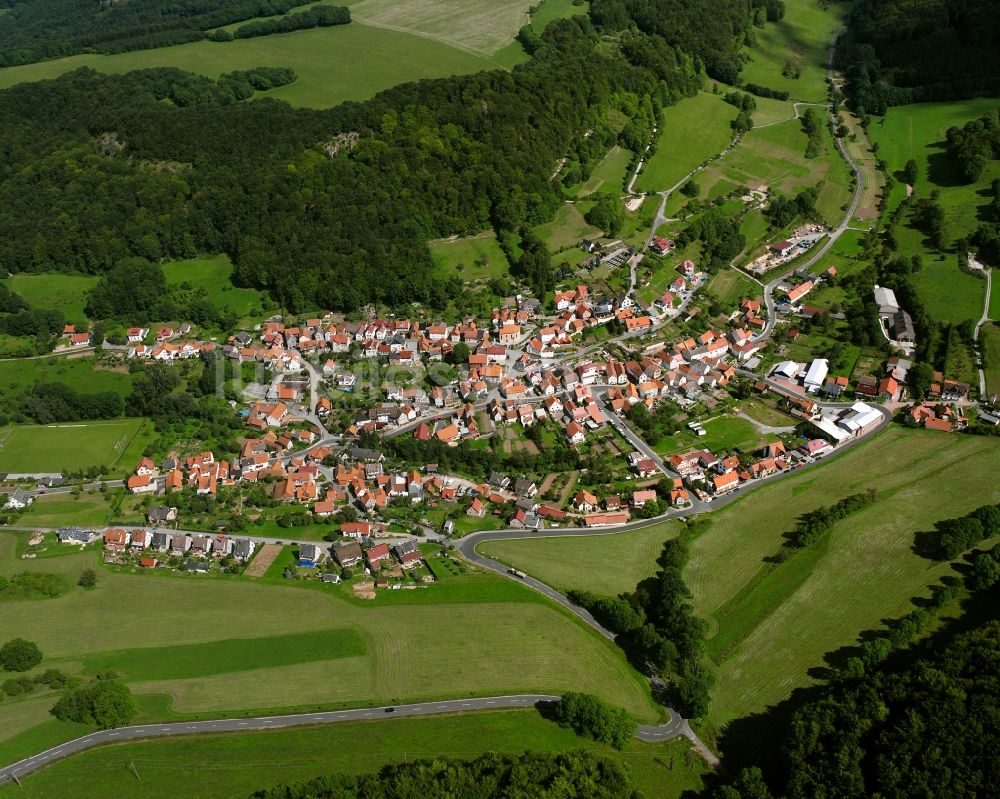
(19, 655)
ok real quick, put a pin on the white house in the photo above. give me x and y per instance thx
(18, 500)
(816, 374)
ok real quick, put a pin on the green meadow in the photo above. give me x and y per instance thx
(691, 131)
(68, 293)
(346, 62)
(73, 446)
(213, 275)
(770, 624)
(241, 763)
(336, 650)
(470, 258)
(791, 54)
(604, 564)
(918, 132)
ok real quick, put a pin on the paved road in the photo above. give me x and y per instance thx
(645, 732)
(982, 321)
(822, 249)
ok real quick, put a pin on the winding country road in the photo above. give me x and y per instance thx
(644, 732)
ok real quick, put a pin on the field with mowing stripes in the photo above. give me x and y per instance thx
(771, 624)
(72, 446)
(336, 650)
(246, 762)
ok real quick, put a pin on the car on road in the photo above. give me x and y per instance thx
(390, 710)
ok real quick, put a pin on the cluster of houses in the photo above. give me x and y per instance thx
(289, 478)
(119, 541)
(374, 556)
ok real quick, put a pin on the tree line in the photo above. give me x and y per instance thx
(656, 627)
(315, 17)
(529, 774)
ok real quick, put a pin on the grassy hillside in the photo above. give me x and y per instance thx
(796, 45)
(214, 275)
(772, 624)
(918, 132)
(68, 293)
(347, 62)
(136, 619)
(691, 131)
(245, 762)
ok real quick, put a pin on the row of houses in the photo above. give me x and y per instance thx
(119, 540)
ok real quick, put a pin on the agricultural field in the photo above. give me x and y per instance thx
(68, 293)
(475, 26)
(604, 564)
(791, 54)
(470, 258)
(238, 761)
(346, 62)
(214, 275)
(918, 132)
(387, 650)
(770, 624)
(691, 131)
(73, 446)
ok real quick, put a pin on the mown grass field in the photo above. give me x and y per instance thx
(691, 131)
(346, 62)
(214, 275)
(72, 446)
(604, 564)
(799, 40)
(427, 644)
(68, 293)
(479, 26)
(918, 132)
(774, 626)
(567, 228)
(464, 257)
(242, 763)
(59, 510)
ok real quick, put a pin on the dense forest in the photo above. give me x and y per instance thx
(36, 30)
(905, 51)
(531, 774)
(99, 168)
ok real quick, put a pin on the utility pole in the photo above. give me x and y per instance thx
(131, 767)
